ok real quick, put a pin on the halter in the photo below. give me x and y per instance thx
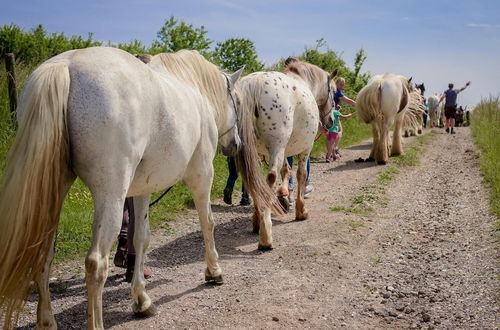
(234, 107)
(332, 96)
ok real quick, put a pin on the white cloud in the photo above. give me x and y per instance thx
(483, 25)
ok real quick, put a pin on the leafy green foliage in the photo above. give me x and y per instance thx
(176, 35)
(37, 45)
(134, 47)
(233, 53)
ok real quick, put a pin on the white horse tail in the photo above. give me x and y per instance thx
(34, 183)
(248, 158)
(368, 102)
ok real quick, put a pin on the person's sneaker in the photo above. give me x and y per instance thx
(308, 191)
(291, 200)
(447, 130)
(228, 196)
(245, 200)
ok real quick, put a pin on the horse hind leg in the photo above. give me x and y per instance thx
(107, 222)
(283, 191)
(397, 146)
(300, 208)
(141, 302)
(381, 151)
(200, 185)
(44, 316)
(276, 158)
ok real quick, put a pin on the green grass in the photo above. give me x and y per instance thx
(363, 199)
(485, 126)
(386, 176)
(362, 210)
(354, 224)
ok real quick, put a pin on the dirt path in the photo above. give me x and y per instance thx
(419, 252)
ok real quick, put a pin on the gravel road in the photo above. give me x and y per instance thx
(417, 250)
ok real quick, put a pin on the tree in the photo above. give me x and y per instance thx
(233, 53)
(134, 47)
(176, 35)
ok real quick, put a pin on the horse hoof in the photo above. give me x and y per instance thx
(213, 279)
(265, 247)
(303, 216)
(150, 311)
(285, 204)
(49, 325)
(370, 159)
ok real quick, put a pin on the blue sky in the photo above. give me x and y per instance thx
(436, 42)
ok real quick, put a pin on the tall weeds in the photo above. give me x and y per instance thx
(485, 125)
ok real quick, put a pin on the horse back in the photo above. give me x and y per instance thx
(285, 111)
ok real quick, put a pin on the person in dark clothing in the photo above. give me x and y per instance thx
(231, 180)
(450, 106)
(125, 253)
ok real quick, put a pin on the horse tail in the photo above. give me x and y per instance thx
(248, 160)
(34, 183)
(368, 102)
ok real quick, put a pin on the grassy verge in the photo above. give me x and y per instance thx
(485, 125)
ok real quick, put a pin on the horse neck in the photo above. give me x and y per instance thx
(316, 88)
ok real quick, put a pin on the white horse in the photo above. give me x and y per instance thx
(380, 102)
(434, 110)
(412, 119)
(285, 111)
(126, 129)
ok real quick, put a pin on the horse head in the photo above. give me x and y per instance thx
(229, 138)
(328, 103)
(421, 88)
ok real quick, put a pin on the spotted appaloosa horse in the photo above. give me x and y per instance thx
(286, 109)
(383, 100)
(126, 129)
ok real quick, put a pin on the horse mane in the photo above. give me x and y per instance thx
(307, 71)
(191, 67)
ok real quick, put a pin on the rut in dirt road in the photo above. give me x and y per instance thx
(416, 252)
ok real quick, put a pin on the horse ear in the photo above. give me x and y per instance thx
(409, 80)
(235, 76)
(333, 74)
